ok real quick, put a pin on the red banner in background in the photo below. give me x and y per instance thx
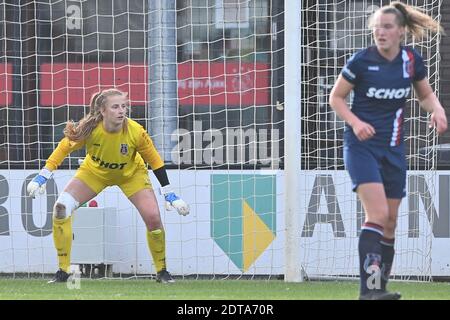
(219, 83)
(199, 83)
(6, 71)
(75, 83)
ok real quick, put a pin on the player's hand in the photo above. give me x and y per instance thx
(363, 130)
(438, 120)
(37, 185)
(174, 201)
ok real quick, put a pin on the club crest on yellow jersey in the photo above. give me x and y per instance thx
(124, 149)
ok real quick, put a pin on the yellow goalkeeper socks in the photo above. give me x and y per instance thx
(156, 240)
(62, 237)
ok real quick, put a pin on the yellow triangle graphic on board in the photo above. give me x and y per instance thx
(257, 236)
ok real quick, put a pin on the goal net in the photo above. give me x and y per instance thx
(206, 79)
(332, 31)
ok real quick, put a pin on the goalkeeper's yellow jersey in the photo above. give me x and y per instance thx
(115, 156)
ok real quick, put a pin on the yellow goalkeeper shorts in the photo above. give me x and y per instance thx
(140, 180)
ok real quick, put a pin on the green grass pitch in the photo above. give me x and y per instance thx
(147, 289)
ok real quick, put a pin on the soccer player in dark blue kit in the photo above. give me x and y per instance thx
(381, 77)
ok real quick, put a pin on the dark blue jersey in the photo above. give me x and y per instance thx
(381, 88)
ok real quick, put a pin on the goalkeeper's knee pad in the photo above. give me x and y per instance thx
(64, 206)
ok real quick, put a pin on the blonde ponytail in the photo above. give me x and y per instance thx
(412, 18)
(417, 22)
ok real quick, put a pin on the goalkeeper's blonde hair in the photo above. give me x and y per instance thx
(83, 129)
(412, 18)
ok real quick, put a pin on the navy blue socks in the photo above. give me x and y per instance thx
(387, 254)
(370, 253)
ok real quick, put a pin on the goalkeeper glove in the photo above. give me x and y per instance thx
(37, 185)
(173, 201)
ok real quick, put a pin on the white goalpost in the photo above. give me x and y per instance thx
(292, 168)
(234, 94)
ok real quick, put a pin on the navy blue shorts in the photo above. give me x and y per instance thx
(384, 164)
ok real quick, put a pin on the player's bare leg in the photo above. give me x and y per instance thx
(373, 198)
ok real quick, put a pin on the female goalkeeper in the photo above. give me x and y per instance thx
(374, 155)
(117, 150)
